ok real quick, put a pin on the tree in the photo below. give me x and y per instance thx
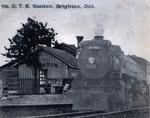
(30, 37)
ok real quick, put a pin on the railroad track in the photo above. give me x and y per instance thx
(68, 115)
(132, 113)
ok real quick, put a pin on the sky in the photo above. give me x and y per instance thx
(124, 22)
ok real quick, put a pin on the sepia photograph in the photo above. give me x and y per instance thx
(75, 59)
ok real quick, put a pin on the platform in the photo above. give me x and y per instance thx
(36, 100)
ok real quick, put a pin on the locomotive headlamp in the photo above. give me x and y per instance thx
(91, 60)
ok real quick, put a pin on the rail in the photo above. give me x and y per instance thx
(132, 113)
(67, 115)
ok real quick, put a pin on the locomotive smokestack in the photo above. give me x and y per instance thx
(79, 40)
(99, 37)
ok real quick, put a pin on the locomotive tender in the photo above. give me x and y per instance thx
(107, 79)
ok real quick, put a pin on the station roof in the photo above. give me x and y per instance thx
(62, 55)
(65, 57)
(71, 49)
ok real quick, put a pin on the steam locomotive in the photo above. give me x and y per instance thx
(107, 79)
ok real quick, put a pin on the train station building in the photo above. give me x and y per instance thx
(55, 73)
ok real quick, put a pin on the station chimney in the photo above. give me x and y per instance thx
(79, 40)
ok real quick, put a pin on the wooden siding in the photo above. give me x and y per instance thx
(25, 72)
(56, 68)
(10, 81)
(26, 86)
(1, 81)
(26, 80)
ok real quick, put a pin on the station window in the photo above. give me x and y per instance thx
(45, 86)
(43, 77)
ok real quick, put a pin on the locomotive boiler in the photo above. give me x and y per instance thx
(107, 79)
